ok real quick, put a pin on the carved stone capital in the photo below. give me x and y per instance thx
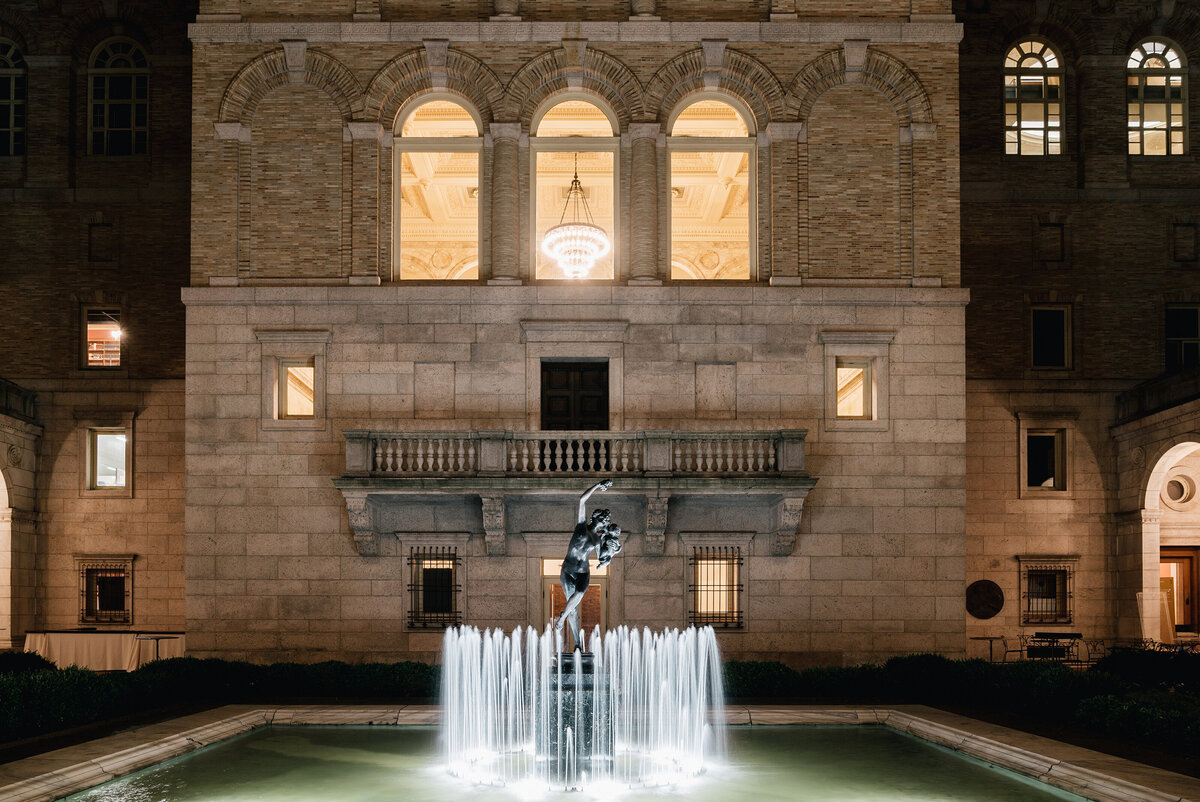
(505, 131)
(783, 539)
(494, 525)
(656, 525)
(644, 131)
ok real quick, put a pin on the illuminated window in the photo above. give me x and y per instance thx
(108, 458)
(855, 389)
(437, 152)
(296, 388)
(716, 588)
(574, 138)
(102, 337)
(1033, 81)
(12, 99)
(434, 587)
(1156, 93)
(712, 189)
(119, 79)
(105, 589)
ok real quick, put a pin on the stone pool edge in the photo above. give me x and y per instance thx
(935, 726)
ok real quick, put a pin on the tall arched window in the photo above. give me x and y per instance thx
(437, 148)
(1032, 100)
(712, 192)
(119, 99)
(1156, 94)
(575, 139)
(12, 100)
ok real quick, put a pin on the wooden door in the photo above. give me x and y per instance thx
(1178, 565)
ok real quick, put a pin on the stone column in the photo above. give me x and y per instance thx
(505, 204)
(643, 204)
(365, 138)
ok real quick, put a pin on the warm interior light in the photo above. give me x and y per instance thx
(116, 334)
(577, 244)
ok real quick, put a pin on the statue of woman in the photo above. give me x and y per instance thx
(598, 534)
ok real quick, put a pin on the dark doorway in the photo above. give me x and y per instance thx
(574, 396)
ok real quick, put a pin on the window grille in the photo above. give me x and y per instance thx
(1032, 100)
(105, 591)
(1156, 96)
(1047, 592)
(13, 75)
(716, 588)
(434, 589)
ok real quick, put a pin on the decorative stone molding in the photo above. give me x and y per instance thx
(506, 9)
(783, 539)
(553, 72)
(494, 525)
(854, 56)
(643, 9)
(656, 525)
(413, 74)
(785, 132)
(231, 132)
(436, 51)
(275, 68)
(364, 130)
(366, 539)
(886, 74)
(293, 54)
(713, 66)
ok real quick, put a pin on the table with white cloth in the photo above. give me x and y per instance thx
(105, 651)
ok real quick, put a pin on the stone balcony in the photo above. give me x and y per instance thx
(393, 478)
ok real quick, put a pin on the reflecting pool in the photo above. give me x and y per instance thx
(387, 764)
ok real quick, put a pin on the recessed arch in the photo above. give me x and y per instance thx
(409, 77)
(1168, 457)
(270, 71)
(886, 74)
(740, 76)
(597, 74)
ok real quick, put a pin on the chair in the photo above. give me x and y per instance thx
(1017, 648)
(1095, 648)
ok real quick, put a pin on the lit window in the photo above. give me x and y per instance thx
(105, 585)
(108, 458)
(437, 157)
(102, 338)
(716, 586)
(855, 390)
(1047, 591)
(711, 153)
(434, 589)
(1183, 337)
(1032, 100)
(12, 99)
(296, 388)
(1050, 337)
(575, 139)
(1046, 459)
(119, 79)
(1156, 95)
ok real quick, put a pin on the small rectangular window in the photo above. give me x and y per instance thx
(1183, 337)
(716, 586)
(433, 587)
(105, 589)
(855, 389)
(297, 389)
(102, 337)
(1045, 459)
(108, 452)
(1050, 337)
(1047, 589)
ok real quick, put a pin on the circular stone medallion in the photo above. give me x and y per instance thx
(984, 598)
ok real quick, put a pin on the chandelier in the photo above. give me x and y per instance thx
(575, 246)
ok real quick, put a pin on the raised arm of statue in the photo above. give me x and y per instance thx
(601, 486)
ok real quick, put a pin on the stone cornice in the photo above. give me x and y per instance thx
(792, 31)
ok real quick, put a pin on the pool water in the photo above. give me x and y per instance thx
(374, 764)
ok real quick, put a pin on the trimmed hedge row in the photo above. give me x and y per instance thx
(1144, 697)
(1150, 698)
(36, 700)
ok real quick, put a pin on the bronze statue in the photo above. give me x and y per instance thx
(599, 534)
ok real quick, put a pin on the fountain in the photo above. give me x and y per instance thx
(640, 709)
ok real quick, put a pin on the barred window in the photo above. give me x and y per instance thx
(105, 589)
(12, 99)
(1047, 590)
(716, 589)
(433, 587)
(1033, 80)
(1156, 93)
(119, 99)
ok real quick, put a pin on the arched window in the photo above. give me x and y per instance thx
(575, 139)
(12, 100)
(437, 150)
(712, 192)
(1155, 75)
(1032, 100)
(119, 95)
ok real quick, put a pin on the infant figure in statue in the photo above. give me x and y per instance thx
(597, 534)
